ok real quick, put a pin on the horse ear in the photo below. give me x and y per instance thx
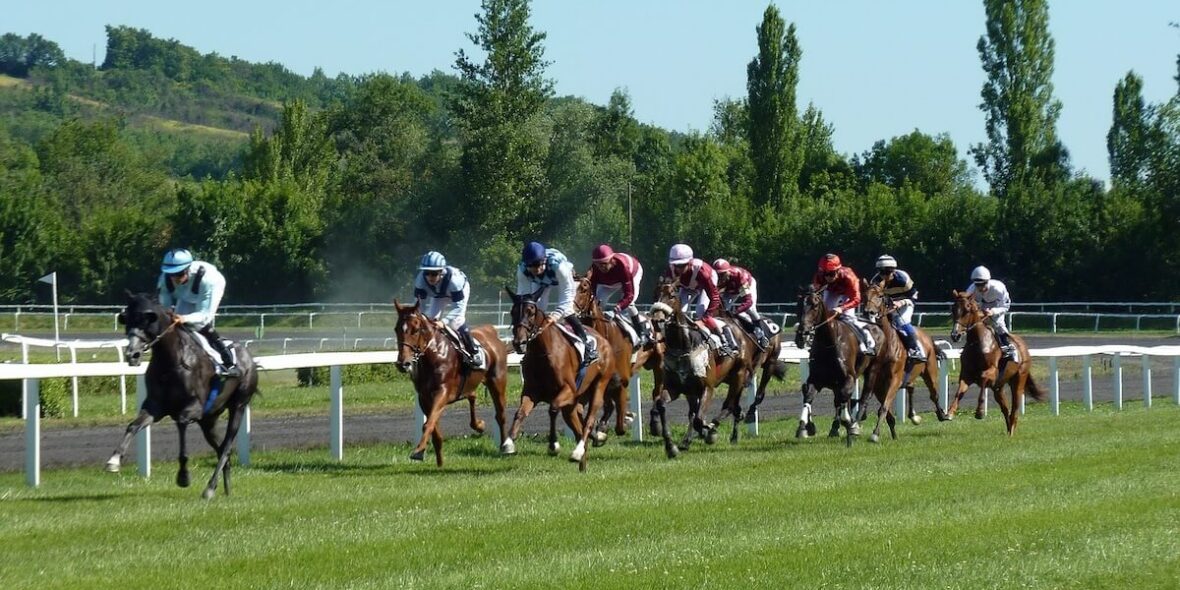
(397, 305)
(510, 292)
(955, 293)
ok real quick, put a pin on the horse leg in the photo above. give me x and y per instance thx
(476, 424)
(695, 424)
(231, 432)
(438, 401)
(806, 426)
(998, 392)
(911, 414)
(661, 409)
(596, 400)
(887, 408)
(497, 389)
(554, 446)
(208, 426)
(145, 418)
(436, 437)
(656, 424)
(508, 447)
(930, 378)
(182, 475)
(954, 409)
(844, 416)
(1016, 385)
(622, 399)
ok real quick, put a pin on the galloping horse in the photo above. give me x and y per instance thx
(440, 378)
(693, 370)
(180, 384)
(553, 374)
(617, 397)
(981, 363)
(878, 304)
(652, 357)
(834, 363)
(771, 366)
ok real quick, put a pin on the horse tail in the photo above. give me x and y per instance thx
(1032, 389)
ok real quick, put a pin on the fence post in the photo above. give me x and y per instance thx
(637, 408)
(336, 414)
(261, 326)
(1088, 384)
(944, 373)
(899, 404)
(1117, 365)
(122, 384)
(74, 380)
(1176, 380)
(1146, 381)
(1054, 316)
(32, 410)
(310, 320)
(244, 438)
(1054, 392)
(24, 384)
(143, 438)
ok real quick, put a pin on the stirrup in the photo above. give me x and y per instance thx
(230, 372)
(917, 354)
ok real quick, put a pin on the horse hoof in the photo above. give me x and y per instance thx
(834, 432)
(801, 432)
(944, 417)
(554, 449)
(418, 456)
(113, 465)
(629, 418)
(578, 454)
(208, 493)
(598, 439)
(873, 438)
(672, 452)
(711, 437)
(916, 419)
(980, 415)
(811, 429)
(479, 426)
(733, 438)
(508, 448)
(654, 428)
(182, 479)
(854, 430)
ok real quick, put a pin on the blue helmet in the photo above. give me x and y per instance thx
(432, 261)
(176, 260)
(532, 253)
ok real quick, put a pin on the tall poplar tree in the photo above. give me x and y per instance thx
(771, 78)
(1127, 141)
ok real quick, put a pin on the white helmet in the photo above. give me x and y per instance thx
(886, 262)
(981, 275)
(680, 254)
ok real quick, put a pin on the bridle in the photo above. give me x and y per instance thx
(146, 346)
(518, 322)
(972, 309)
(416, 350)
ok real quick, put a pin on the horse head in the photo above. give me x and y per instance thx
(145, 321)
(528, 321)
(414, 332)
(875, 303)
(811, 313)
(965, 314)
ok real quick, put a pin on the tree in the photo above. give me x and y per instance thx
(497, 108)
(615, 130)
(771, 78)
(1127, 143)
(1018, 104)
(19, 55)
(929, 164)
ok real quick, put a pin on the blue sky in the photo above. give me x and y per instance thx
(876, 69)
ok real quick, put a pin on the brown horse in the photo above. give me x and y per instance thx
(440, 378)
(652, 357)
(834, 363)
(617, 398)
(876, 303)
(550, 370)
(981, 363)
(694, 370)
(767, 360)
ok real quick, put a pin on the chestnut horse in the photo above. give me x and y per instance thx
(876, 303)
(440, 378)
(694, 370)
(179, 379)
(834, 363)
(550, 370)
(617, 398)
(980, 362)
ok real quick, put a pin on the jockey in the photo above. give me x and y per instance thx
(841, 290)
(444, 285)
(698, 285)
(615, 272)
(541, 268)
(992, 297)
(900, 288)
(739, 296)
(192, 289)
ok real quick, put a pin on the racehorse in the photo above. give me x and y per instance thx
(436, 367)
(181, 383)
(771, 366)
(617, 398)
(834, 363)
(876, 303)
(652, 357)
(553, 374)
(693, 370)
(981, 363)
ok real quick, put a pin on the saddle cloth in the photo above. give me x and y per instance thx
(457, 342)
(213, 354)
(579, 346)
(624, 325)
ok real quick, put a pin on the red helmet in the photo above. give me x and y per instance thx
(829, 263)
(602, 253)
(721, 265)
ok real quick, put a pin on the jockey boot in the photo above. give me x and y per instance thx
(228, 368)
(1008, 351)
(729, 345)
(763, 332)
(910, 336)
(474, 354)
(642, 328)
(867, 346)
(591, 344)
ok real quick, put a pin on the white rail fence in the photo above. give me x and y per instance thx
(31, 375)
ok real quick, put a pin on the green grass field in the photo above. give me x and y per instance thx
(1076, 501)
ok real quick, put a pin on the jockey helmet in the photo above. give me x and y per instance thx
(680, 254)
(532, 253)
(176, 260)
(981, 275)
(432, 261)
(886, 262)
(829, 263)
(602, 253)
(721, 265)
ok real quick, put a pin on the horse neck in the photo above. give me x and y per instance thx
(169, 348)
(438, 348)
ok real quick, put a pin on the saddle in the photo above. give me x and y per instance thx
(457, 342)
(575, 341)
(213, 354)
(625, 325)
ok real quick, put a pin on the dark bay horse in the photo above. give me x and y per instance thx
(694, 370)
(771, 366)
(834, 363)
(980, 362)
(617, 397)
(651, 357)
(179, 378)
(550, 370)
(876, 302)
(440, 377)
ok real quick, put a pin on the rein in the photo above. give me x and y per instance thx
(146, 347)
